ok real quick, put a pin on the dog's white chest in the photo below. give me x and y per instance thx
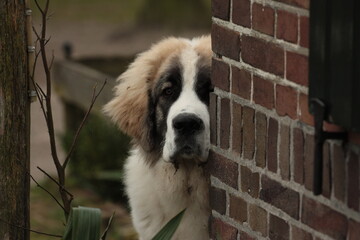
(158, 193)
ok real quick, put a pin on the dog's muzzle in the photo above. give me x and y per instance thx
(187, 124)
(187, 128)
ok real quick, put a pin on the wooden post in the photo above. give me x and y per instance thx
(14, 122)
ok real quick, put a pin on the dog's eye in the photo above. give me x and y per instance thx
(168, 91)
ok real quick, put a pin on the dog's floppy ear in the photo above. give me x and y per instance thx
(131, 107)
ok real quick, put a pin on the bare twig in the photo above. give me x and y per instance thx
(31, 230)
(48, 192)
(93, 100)
(37, 91)
(41, 37)
(52, 60)
(34, 66)
(36, 33)
(44, 97)
(56, 182)
(41, 91)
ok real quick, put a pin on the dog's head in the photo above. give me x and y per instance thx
(162, 100)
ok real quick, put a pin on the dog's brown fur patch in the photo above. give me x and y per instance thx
(129, 107)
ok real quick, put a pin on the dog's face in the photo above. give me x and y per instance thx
(162, 100)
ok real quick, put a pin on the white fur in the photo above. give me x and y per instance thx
(158, 194)
(188, 102)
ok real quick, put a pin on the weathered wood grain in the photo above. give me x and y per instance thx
(14, 122)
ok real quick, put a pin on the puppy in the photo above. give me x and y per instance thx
(161, 101)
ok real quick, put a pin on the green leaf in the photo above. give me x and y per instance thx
(169, 229)
(83, 223)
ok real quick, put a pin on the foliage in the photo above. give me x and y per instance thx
(83, 223)
(101, 152)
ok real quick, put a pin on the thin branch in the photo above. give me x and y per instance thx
(41, 91)
(47, 40)
(47, 191)
(52, 60)
(39, 97)
(50, 121)
(36, 33)
(34, 65)
(34, 231)
(93, 100)
(56, 182)
(39, 7)
(66, 199)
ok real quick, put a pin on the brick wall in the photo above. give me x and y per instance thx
(261, 160)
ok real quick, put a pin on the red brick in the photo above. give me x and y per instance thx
(221, 9)
(278, 229)
(304, 114)
(353, 182)
(324, 219)
(258, 219)
(241, 82)
(263, 19)
(213, 117)
(354, 138)
(271, 146)
(218, 165)
(326, 181)
(339, 172)
(287, 26)
(297, 68)
(297, 3)
(221, 230)
(236, 127)
(260, 142)
(309, 162)
(248, 133)
(217, 200)
(241, 12)
(220, 74)
(304, 31)
(238, 209)
(250, 182)
(284, 152)
(280, 197)
(245, 236)
(286, 101)
(298, 141)
(300, 234)
(263, 92)
(225, 121)
(221, 35)
(264, 55)
(332, 127)
(354, 230)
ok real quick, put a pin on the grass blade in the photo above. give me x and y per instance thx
(169, 229)
(103, 237)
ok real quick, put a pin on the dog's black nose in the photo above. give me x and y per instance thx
(187, 123)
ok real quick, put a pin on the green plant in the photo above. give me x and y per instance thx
(83, 223)
(98, 159)
(169, 229)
